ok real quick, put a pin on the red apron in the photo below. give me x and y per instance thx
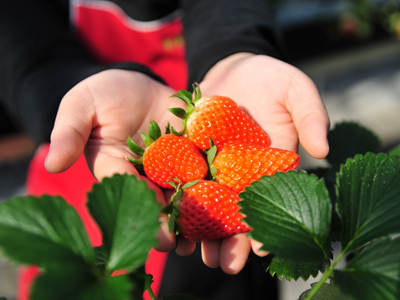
(111, 36)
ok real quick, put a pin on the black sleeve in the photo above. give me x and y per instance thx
(217, 29)
(40, 62)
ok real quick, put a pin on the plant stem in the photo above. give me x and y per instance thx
(327, 274)
(151, 293)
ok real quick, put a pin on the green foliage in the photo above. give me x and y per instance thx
(374, 273)
(395, 151)
(127, 214)
(290, 214)
(292, 269)
(326, 292)
(364, 193)
(348, 139)
(368, 194)
(49, 232)
(51, 236)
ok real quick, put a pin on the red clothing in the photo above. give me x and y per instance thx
(157, 44)
(110, 35)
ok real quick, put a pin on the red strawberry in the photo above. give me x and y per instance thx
(218, 118)
(205, 210)
(237, 165)
(168, 157)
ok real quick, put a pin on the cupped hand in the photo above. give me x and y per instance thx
(286, 104)
(96, 117)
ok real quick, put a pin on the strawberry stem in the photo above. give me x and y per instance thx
(151, 293)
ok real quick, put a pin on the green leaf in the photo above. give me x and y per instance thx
(110, 288)
(291, 269)
(326, 292)
(146, 138)
(290, 214)
(190, 184)
(168, 128)
(176, 132)
(179, 112)
(368, 198)
(211, 152)
(197, 92)
(43, 231)
(127, 214)
(213, 171)
(374, 273)
(141, 282)
(154, 130)
(347, 139)
(101, 258)
(62, 283)
(395, 151)
(186, 94)
(135, 148)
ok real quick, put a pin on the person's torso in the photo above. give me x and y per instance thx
(148, 32)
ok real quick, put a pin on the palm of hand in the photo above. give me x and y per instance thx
(278, 96)
(100, 113)
(113, 105)
(286, 104)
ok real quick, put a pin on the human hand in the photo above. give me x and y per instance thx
(97, 116)
(286, 104)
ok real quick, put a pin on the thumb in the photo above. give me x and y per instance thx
(309, 116)
(72, 128)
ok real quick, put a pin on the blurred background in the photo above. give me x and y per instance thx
(351, 50)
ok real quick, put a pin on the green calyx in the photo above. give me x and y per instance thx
(172, 209)
(190, 100)
(154, 134)
(211, 153)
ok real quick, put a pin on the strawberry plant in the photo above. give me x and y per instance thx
(296, 215)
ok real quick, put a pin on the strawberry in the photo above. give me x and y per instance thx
(216, 117)
(168, 156)
(237, 165)
(205, 210)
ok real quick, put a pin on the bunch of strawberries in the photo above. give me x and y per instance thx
(218, 153)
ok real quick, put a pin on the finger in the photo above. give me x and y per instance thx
(234, 253)
(70, 133)
(210, 253)
(166, 239)
(105, 161)
(309, 116)
(184, 247)
(256, 246)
